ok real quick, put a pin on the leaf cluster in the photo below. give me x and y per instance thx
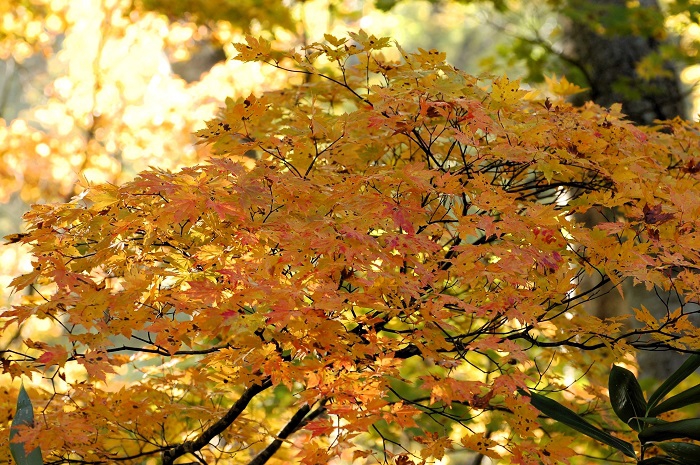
(401, 256)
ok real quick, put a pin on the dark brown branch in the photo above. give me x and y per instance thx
(217, 428)
(111, 459)
(165, 353)
(297, 421)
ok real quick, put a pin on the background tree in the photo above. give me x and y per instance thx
(383, 284)
(622, 52)
(627, 57)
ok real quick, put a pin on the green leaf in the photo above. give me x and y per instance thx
(652, 420)
(687, 397)
(683, 451)
(659, 460)
(558, 412)
(672, 430)
(685, 370)
(23, 416)
(626, 397)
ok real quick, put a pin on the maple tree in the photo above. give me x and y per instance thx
(388, 280)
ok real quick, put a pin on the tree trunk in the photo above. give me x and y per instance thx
(609, 60)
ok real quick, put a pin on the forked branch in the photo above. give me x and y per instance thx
(217, 428)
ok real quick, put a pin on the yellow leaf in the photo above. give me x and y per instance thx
(103, 196)
(507, 92)
(562, 87)
(478, 442)
(642, 314)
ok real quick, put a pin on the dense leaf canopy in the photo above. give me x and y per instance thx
(400, 258)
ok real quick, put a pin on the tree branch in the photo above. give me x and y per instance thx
(299, 419)
(217, 428)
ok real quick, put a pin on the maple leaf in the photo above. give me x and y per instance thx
(313, 454)
(434, 445)
(56, 355)
(506, 92)
(654, 215)
(97, 364)
(562, 87)
(400, 217)
(478, 442)
(253, 50)
(320, 427)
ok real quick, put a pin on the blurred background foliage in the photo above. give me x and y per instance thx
(95, 91)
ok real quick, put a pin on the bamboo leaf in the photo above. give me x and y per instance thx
(659, 460)
(685, 452)
(672, 430)
(685, 370)
(23, 416)
(687, 397)
(626, 397)
(652, 420)
(558, 412)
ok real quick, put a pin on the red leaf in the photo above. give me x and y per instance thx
(653, 215)
(54, 356)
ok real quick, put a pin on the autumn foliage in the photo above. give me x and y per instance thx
(400, 260)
